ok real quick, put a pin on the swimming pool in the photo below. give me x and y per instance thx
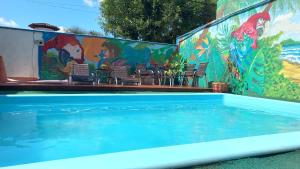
(141, 130)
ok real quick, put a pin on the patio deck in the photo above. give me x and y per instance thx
(66, 87)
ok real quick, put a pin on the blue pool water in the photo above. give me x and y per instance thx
(33, 132)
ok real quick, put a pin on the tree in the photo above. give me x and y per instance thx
(154, 20)
(78, 30)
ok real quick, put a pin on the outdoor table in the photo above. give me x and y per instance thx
(103, 76)
(147, 75)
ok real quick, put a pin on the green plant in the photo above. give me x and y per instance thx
(176, 65)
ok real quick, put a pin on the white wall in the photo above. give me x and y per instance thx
(19, 52)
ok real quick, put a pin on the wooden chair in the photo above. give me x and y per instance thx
(104, 75)
(200, 73)
(157, 73)
(80, 74)
(188, 73)
(120, 73)
(3, 76)
(143, 74)
(165, 76)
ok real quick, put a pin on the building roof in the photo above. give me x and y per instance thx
(43, 25)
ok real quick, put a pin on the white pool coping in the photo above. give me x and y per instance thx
(178, 156)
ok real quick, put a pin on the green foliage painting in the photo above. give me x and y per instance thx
(277, 85)
(257, 52)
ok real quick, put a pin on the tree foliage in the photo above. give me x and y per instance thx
(154, 20)
(78, 30)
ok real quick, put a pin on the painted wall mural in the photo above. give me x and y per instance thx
(60, 51)
(257, 52)
(226, 7)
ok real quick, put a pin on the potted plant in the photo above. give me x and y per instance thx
(222, 86)
(175, 69)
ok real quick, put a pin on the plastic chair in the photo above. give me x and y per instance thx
(188, 73)
(201, 72)
(143, 74)
(80, 74)
(120, 73)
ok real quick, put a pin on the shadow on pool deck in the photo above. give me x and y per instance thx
(290, 160)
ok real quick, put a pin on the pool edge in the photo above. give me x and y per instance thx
(178, 156)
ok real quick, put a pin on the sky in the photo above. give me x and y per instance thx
(61, 13)
(288, 23)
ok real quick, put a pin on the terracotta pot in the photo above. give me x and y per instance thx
(3, 77)
(220, 87)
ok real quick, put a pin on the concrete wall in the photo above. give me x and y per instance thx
(49, 55)
(19, 52)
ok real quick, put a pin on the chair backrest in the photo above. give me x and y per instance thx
(140, 67)
(81, 70)
(120, 71)
(190, 67)
(189, 70)
(155, 67)
(201, 70)
(3, 77)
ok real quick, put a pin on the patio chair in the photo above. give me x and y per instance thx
(104, 75)
(120, 73)
(157, 73)
(80, 74)
(144, 75)
(3, 76)
(201, 72)
(188, 73)
(165, 76)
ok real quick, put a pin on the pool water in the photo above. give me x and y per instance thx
(42, 131)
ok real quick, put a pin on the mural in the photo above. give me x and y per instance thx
(226, 7)
(60, 51)
(257, 52)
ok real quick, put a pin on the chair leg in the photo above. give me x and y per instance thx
(173, 79)
(184, 81)
(206, 80)
(181, 81)
(195, 81)
(165, 79)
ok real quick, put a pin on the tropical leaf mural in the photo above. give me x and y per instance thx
(254, 76)
(225, 7)
(281, 6)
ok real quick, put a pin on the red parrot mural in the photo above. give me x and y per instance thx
(245, 41)
(251, 27)
(68, 47)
